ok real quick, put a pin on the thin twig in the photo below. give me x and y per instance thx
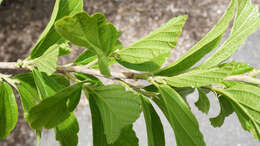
(9, 65)
(79, 69)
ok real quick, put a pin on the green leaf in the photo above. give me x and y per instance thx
(247, 95)
(49, 36)
(150, 66)
(27, 91)
(85, 58)
(8, 110)
(50, 85)
(1, 1)
(196, 78)
(89, 78)
(243, 98)
(153, 48)
(246, 23)
(92, 32)
(225, 110)
(200, 77)
(53, 110)
(48, 61)
(203, 103)
(154, 127)
(126, 138)
(203, 47)
(118, 108)
(66, 132)
(64, 49)
(183, 122)
(45, 85)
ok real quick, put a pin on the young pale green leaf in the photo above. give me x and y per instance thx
(203, 47)
(247, 22)
(126, 138)
(154, 127)
(66, 132)
(226, 109)
(118, 108)
(53, 110)
(92, 32)
(183, 122)
(203, 103)
(200, 77)
(48, 61)
(153, 48)
(8, 110)
(49, 36)
(196, 78)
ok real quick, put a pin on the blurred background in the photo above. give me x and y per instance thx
(22, 21)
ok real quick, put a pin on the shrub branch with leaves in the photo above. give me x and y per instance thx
(50, 93)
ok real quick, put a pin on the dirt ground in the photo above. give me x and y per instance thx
(22, 21)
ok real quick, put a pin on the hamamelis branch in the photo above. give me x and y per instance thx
(248, 77)
(80, 69)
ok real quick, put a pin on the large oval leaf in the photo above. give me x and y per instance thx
(8, 110)
(118, 108)
(183, 122)
(153, 49)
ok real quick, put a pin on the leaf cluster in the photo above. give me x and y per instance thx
(50, 95)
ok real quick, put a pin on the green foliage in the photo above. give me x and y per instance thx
(127, 136)
(66, 132)
(8, 110)
(49, 36)
(225, 110)
(49, 100)
(183, 122)
(92, 32)
(153, 49)
(203, 47)
(203, 102)
(118, 108)
(154, 127)
(200, 77)
(246, 22)
(244, 99)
